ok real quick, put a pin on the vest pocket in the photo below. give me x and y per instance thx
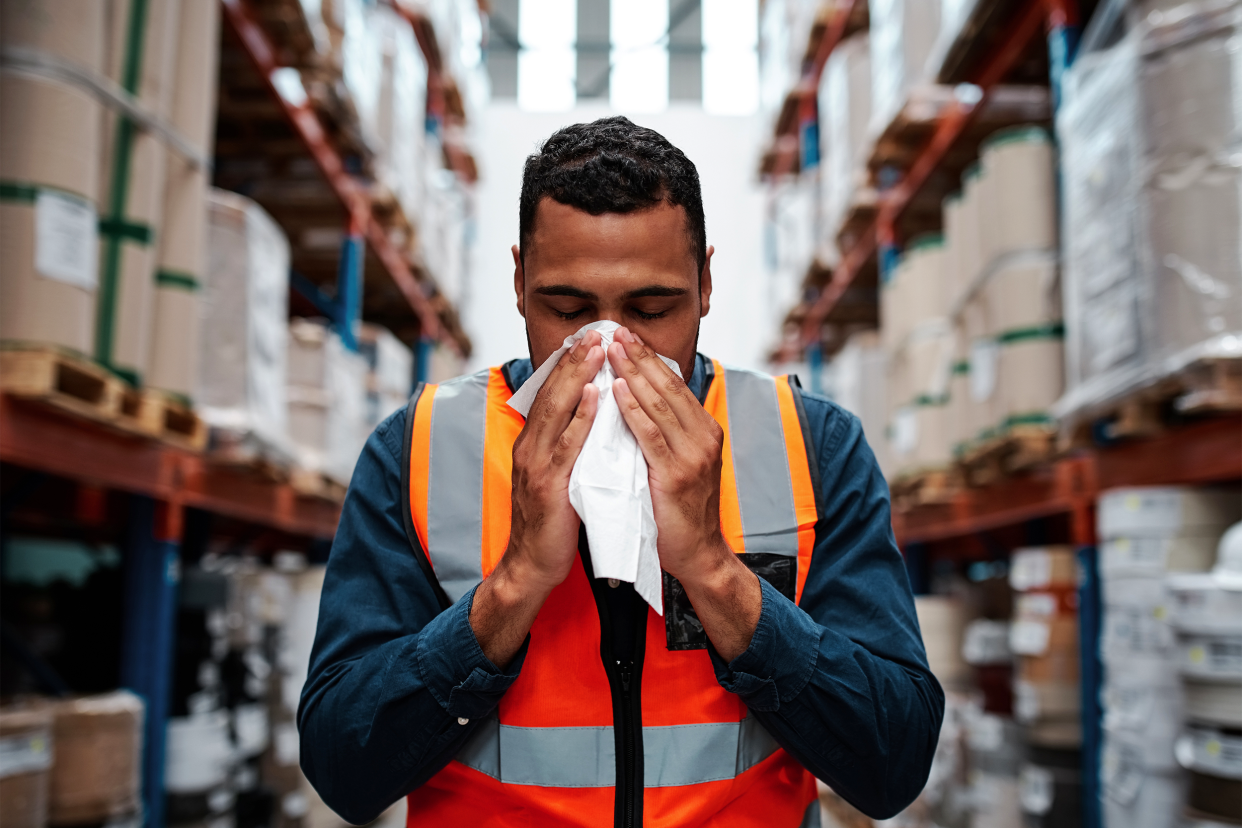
(682, 628)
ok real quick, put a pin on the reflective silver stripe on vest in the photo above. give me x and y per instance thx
(455, 485)
(760, 464)
(585, 757)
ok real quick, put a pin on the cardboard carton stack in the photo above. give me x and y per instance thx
(50, 175)
(326, 392)
(242, 359)
(1152, 210)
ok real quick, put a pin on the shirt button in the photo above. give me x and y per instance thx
(462, 720)
(614, 583)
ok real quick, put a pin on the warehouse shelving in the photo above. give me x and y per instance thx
(363, 228)
(167, 489)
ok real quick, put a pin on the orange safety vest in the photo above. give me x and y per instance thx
(571, 726)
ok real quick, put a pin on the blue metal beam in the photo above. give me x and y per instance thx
(152, 570)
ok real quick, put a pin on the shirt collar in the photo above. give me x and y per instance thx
(519, 371)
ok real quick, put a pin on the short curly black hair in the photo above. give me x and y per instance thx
(612, 166)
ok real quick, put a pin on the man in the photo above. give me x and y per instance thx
(466, 656)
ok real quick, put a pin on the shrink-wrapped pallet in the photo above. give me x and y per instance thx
(902, 35)
(327, 400)
(942, 620)
(861, 373)
(97, 744)
(1153, 205)
(390, 371)
(172, 364)
(141, 41)
(26, 748)
(49, 173)
(242, 345)
(844, 116)
(401, 111)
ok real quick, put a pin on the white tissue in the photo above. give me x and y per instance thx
(608, 485)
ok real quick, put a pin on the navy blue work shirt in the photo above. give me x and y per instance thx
(395, 686)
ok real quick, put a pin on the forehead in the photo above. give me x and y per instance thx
(653, 238)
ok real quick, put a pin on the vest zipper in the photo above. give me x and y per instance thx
(625, 685)
(633, 789)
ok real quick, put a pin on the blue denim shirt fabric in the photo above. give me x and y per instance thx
(841, 681)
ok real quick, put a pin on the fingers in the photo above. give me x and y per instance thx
(569, 444)
(554, 405)
(650, 436)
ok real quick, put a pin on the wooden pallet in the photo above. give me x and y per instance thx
(1207, 387)
(310, 483)
(1019, 449)
(160, 415)
(926, 488)
(66, 381)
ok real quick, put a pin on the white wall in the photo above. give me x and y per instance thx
(725, 150)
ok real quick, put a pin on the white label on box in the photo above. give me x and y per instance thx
(984, 356)
(1037, 790)
(66, 239)
(1037, 605)
(905, 430)
(285, 743)
(27, 753)
(1026, 705)
(1030, 569)
(1029, 637)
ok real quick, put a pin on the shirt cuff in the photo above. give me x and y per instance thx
(780, 659)
(454, 669)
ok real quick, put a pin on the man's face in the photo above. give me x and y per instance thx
(637, 269)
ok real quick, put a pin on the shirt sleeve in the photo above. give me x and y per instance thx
(841, 680)
(395, 686)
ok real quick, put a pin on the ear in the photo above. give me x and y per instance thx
(705, 284)
(519, 280)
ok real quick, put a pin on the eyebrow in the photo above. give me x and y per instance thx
(639, 293)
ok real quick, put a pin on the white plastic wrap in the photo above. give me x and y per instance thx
(361, 64)
(327, 400)
(390, 371)
(861, 371)
(784, 33)
(445, 230)
(242, 364)
(401, 111)
(902, 35)
(844, 116)
(1149, 135)
(953, 16)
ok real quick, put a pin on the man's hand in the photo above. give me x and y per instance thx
(543, 539)
(682, 444)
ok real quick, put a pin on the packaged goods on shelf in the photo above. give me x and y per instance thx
(444, 228)
(1152, 208)
(172, 364)
(49, 174)
(784, 33)
(326, 395)
(1050, 788)
(994, 759)
(1004, 291)
(942, 620)
(791, 246)
(401, 116)
(391, 371)
(954, 15)
(919, 340)
(902, 35)
(1044, 637)
(97, 750)
(26, 745)
(861, 378)
(844, 120)
(140, 42)
(242, 346)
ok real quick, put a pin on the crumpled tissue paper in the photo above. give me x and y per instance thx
(608, 486)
